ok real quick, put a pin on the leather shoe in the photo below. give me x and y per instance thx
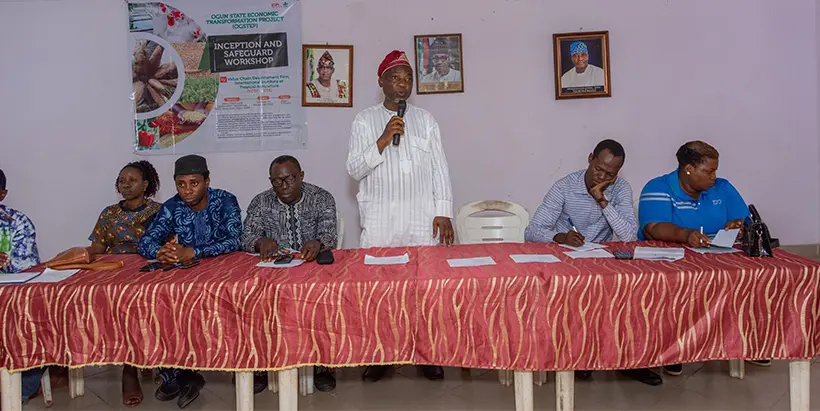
(323, 379)
(374, 373)
(583, 375)
(260, 382)
(674, 370)
(644, 375)
(189, 391)
(432, 372)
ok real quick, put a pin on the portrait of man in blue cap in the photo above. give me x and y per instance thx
(582, 74)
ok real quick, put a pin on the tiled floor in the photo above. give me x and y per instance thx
(705, 386)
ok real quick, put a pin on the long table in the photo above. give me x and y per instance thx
(227, 314)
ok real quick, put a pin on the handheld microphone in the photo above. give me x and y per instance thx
(401, 111)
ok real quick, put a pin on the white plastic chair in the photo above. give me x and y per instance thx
(509, 226)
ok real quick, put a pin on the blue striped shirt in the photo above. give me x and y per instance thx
(664, 201)
(569, 198)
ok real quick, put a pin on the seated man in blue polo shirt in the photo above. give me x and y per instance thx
(690, 204)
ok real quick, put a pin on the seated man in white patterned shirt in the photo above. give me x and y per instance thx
(591, 205)
(292, 214)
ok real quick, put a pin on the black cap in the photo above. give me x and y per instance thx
(190, 164)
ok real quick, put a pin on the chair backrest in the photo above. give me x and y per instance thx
(507, 227)
(340, 230)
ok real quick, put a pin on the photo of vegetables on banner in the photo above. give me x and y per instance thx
(207, 80)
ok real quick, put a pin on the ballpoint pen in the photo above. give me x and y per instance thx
(700, 239)
(572, 226)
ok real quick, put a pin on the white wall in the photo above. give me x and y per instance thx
(741, 74)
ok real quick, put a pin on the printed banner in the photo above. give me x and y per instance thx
(216, 76)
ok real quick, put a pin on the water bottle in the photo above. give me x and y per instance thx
(5, 240)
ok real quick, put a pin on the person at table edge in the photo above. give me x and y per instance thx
(207, 223)
(676, 206)
(599, 203)
(118, 230)
(296, 215)
(405, 197)
(24, 255)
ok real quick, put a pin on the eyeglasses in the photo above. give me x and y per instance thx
(278, 182)
(320, 68)
(440, 58)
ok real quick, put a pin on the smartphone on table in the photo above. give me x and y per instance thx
(283, 259)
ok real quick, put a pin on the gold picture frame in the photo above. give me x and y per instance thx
(339, 89)
(586, 51)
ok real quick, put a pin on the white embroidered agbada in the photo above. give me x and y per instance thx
(402, 189)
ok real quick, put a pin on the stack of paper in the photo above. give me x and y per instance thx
(585, 247)
(715, 250)
(470, 262)
(595, 253)
(271, 264)
(54, 276)
(534, 258)
(18, 278)
(659, 254)
(399, 259)
(725, 238)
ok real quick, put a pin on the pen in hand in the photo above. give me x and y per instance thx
(580, 237)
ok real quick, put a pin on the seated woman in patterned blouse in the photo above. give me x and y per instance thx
(119, 229)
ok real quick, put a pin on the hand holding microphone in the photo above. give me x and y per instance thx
(394, 129)
(400, 113)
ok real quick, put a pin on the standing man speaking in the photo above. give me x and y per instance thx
(405, 197)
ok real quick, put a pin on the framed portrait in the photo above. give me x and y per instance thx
(439, 64)
(327, 75)
(582, 65)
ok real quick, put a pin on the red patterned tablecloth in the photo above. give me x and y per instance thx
(227, 314)
(611, 314)
(224, 314)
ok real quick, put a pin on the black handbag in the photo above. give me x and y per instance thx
(757, 242)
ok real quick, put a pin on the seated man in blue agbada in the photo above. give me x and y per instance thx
(206, 222)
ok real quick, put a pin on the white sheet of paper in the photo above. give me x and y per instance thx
(716, 250)
(271, 264)
(534, 258)
(17, 278)
(54, 276)
(395, 260)
(585, 247)
(596, 253)
(659, 254)
(725, 238)
(470, 262)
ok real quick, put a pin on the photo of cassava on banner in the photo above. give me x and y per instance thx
(216, 76)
